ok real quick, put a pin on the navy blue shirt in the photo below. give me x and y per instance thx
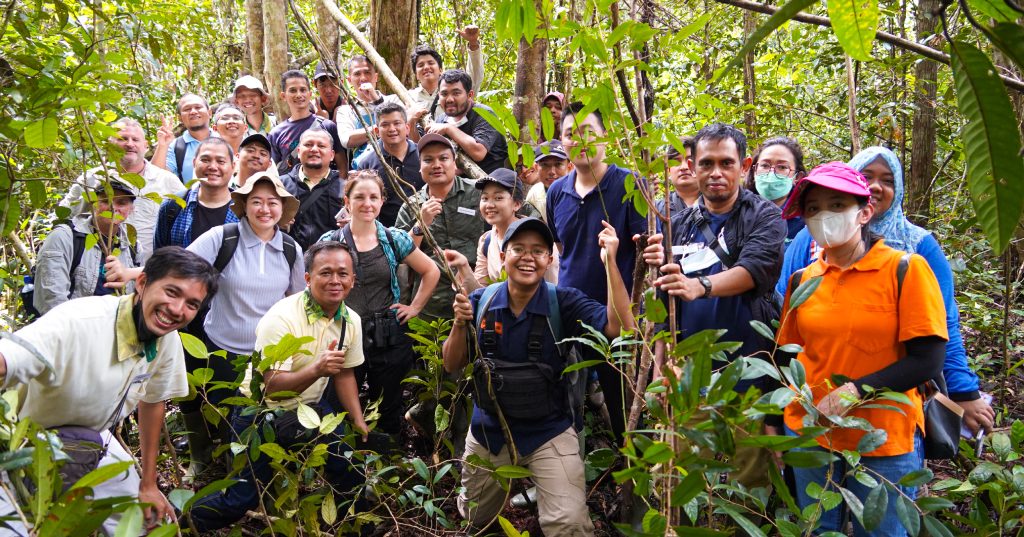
(408, 169)
(575, 222)
(575, 308)
(732, 313)
(793, 226)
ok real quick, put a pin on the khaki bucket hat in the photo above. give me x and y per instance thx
(290, 204)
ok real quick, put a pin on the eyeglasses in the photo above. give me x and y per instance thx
(781, 169)
(520, 251)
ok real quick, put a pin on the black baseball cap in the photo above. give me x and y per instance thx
(256, 138)
(321, 72)
(434, 138)
(528, 224)
(548, 150)
(505, 178)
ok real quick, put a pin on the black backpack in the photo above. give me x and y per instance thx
(78, 239)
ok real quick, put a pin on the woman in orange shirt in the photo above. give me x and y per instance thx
(860, 331)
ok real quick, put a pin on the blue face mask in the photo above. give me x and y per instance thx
(772, 185)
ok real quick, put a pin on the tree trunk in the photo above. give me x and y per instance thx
(851, 82)
(275, 50)
(327, 28)
(529, 88)
(254, 37)
(393, 32)
(917, 200)
(749, 82)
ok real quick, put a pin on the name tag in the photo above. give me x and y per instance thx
(467, 211)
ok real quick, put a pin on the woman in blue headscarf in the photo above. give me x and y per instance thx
(884, 174)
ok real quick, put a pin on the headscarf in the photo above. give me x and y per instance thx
(899, 233)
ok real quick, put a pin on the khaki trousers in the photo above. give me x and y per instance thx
(558, 473)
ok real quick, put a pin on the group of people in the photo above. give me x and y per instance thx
(316, 226)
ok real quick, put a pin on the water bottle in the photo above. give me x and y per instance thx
(29, 285)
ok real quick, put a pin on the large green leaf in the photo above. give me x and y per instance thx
(855, 23)
(42, 133)
(995, 9)
(995, 168)
(1009, 37)
(784, 13)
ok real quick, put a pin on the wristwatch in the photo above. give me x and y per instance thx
(707, 285)
(417, 230)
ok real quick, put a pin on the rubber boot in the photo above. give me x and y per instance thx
(200, 445)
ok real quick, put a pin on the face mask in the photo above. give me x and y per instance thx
(832, 229)
(459, 122)
(772, 185)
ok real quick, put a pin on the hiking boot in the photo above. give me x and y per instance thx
(421, 417)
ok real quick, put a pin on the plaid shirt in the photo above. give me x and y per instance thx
(178, 221)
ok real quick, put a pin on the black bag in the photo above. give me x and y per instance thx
(84, 448)
(524, 390)
(943, 419)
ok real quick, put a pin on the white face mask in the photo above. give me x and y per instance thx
(833, 228)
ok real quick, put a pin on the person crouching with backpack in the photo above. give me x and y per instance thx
(65, 269)
(259, 265)
(522, 384)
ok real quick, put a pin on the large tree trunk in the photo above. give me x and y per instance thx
(254, 37)
(922, 149)
(531, 66)
(327, 28)
(393, 31)
(275, 50)
(749, 81)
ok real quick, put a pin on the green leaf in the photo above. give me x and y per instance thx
(994, 9)
(936, 528)
(808, 459)
(803, 292)
(131, 523)
(193, 345)
(908, 515)
(654, 308)
(509, 471)
(547, 124)
(421, 468)
(688, 489)
(742, 521)
(875, 507)
(917, 478)
(275, 452)
(762, 329)
(991, 143)
(179, 497)
(330, 423)
(855, 23)
(328, 509)
(872, 441)
(41, 134)
(1009, 37)
(508, 528)
(581, 365)
(102, 474)
(784, 14)
(307, 416)
(853, 503)
(658, 453)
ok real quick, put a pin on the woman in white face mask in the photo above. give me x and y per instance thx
(860, 324)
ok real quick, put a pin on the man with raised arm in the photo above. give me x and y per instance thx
(176, 154)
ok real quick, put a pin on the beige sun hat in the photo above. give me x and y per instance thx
(290, 204)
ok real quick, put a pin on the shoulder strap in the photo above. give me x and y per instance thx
(795, 279)
(554, 314)
(179, 156)
(227, 246)
(311, 198)
(711, 239)
(901, 274)
(487, 242)
(346, 233)
(291, 250)
(77, 250)
(485, 301)
(344, 326)
(391, 243)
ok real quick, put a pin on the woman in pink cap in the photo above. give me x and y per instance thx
(861, 330)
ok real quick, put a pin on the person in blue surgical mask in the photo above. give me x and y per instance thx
(777, 165)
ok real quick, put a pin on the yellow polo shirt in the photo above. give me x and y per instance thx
(299, 316)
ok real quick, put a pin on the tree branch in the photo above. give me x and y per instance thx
(885, 37)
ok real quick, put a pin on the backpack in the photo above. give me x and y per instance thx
(180, 147)
(528, 390)
(78, 239)
(344, 236)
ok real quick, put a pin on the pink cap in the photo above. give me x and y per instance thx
(835, 176)
(556, 94)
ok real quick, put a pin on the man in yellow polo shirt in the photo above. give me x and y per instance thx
(91, 361)
(336, 349)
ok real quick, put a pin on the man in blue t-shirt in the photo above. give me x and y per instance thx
(726, 256)
(176, 154)
(535, 408)
(577, 204)
(284, 138)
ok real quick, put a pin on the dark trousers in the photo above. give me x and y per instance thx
(384, 370)
(613, 385)
(224, 508)
(223, 371)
